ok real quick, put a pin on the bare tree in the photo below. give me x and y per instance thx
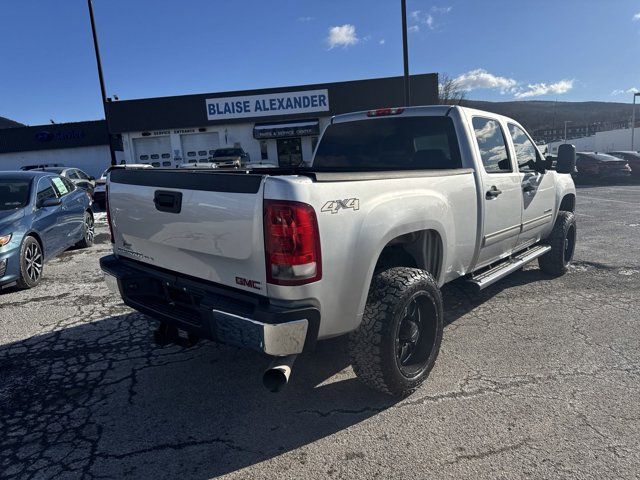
(450, 91)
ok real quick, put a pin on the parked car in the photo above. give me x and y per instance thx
(99, 192)
(77, 176)
(397, 203)
(230, 157)
(632, 158)
(592, 165)
(41, 215)
(41, 166)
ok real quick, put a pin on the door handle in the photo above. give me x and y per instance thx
(528, 188)
(493, 192)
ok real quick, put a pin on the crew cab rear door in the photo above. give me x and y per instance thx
(204, 224)
(538, 192)
(501, 191)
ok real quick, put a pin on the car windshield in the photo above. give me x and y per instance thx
(227, 152)
(14, 194)
(409, 143)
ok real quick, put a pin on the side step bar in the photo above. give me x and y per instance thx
(507, 266)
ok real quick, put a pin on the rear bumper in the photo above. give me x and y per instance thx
(212, 311)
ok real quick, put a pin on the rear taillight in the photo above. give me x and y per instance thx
(382, 112)
(106, 207)
(292, 243)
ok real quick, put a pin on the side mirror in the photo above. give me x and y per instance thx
(50, 202)
(504, 164)
(566, 158)
(92, 178)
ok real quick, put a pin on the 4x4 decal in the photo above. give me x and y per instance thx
(334, 205)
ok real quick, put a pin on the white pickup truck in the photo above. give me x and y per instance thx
(396, 203)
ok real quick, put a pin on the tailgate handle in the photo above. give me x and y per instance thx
(167, 201)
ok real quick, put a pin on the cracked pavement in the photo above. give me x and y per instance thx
(537, 378)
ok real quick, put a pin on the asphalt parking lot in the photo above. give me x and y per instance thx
(537, 378)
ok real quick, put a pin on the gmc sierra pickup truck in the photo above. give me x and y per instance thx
(396, 203)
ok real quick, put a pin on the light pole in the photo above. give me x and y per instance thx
(405, 53)
(101, 79)
(565, 129)
(633, 118)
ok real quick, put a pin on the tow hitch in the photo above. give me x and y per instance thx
(168, 334)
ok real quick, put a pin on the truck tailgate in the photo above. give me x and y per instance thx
(204, 224)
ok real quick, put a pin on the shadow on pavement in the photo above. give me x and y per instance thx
(99, 399)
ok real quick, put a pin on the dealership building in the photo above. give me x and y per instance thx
(278, 126)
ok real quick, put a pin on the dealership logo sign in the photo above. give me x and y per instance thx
(287, 103)
(44, 136)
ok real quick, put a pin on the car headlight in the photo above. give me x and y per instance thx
(4, 240)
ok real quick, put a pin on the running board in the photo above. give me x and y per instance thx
(510, 265)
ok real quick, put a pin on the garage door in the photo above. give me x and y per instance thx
(153, 150)
(199, 147)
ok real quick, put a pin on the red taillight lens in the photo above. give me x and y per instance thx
(381, 112)
(292, 243)
(106, 207)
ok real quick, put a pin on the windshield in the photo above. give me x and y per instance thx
(227, 152)
(394, 143)
(14, 194)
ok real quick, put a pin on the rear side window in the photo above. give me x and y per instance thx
(525, 150)
(398, 143)
(492, 145)
(45, 190)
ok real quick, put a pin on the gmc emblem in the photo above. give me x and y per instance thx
(245, 282)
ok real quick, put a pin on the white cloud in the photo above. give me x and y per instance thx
(627, 91)
(636, 17)
(430, 20)
(342, 36)
(305, 19)
(382, 41)
(441, 9)
(537, 89)
(481, 79)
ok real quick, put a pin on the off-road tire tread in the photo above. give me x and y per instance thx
(552, 262)
(365, 344)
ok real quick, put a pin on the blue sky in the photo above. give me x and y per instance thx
(571, 50)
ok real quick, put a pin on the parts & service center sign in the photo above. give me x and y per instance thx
(286, 103)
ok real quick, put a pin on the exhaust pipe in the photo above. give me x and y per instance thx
(276, 377)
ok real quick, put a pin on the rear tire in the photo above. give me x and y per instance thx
(31, 263)
(88, 231)
(563, 242)
(397, 343)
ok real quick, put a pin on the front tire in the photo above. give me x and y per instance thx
(88, 231)
(563, 242)
(397, 343)
(31, 263)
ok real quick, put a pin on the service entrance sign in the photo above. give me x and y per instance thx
(286, 103)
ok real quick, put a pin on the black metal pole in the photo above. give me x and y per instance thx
(101, 78)
(405, 53)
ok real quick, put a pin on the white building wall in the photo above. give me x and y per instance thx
(229, 136)
(93, 160)
(608, 141)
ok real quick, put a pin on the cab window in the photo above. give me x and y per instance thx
(73, 174)
(492, 145)
(525, 150)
